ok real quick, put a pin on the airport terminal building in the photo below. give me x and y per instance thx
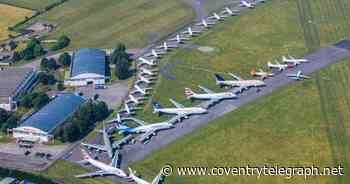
(40, 126)
(88, 67)
(14, 82)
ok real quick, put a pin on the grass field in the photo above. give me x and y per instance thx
(104, 23)
(301, 125)
(313, 129)
(11, 15)
(249, 41)
(29, 4)
(64, 172)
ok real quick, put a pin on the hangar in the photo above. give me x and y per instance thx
(40, 126)
(14, 82)
(88, 67)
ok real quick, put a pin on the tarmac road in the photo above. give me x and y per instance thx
(319, 59)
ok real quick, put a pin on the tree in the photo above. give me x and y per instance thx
(122, 69)
(60, 86)
(101, 111)
(65, 59)
(96, 96)
(41, 100)
(3, 115)
(10, 123)
(48, 64)
(46, 79)
(62, 42)
(38, 50)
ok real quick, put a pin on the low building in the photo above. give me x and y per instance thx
(8, 180)
(88, 67)
(40, 126)
(14, 82)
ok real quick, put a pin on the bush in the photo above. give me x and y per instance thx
(65, 59)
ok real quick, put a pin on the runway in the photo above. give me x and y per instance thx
(319, 59)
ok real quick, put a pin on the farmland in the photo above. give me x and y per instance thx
(13, 15)
(104, 23)
(29, 4)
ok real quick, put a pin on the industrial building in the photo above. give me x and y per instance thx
(14, 82)
(40, 126)
(88, 67)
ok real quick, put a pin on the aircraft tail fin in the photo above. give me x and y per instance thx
(188, 92)
(219, 77)
(131, 173)
(85, 154)
(253, 72)
(156, 106)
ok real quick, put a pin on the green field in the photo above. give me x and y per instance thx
(301, 125)
(250, 41)
(29, 4)
(104, 23)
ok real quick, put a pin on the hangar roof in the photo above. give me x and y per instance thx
(89, 60)
(54, 113)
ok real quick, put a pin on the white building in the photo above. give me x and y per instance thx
(40, 126)
(14, 82)
(88, 67)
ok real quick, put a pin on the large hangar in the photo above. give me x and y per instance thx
(14, 82)
(40, 126)
(88, 67)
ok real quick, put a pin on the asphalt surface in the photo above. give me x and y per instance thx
(320, 59)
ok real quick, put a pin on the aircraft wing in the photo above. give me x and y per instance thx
(206, 90)
(95, 146)
(235, 76)
(92, 174)
(115, 160)
(138, 121)
(117, 144)
(157, 179)
(177, 105)
(145, 136)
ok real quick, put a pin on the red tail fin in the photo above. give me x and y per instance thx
(253, 72)
(86, 156)
(188, 92)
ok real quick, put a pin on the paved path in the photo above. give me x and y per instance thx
(318, 60)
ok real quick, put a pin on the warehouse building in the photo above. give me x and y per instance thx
(88, 67)
(40, 126)
(14, 82)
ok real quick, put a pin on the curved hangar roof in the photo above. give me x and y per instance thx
(54, 113)
(89, 61)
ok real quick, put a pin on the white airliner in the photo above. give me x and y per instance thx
(128, 110)
(238, 82)
(298, 76)
(230, 12)
(138, 180)
(179, 39)
(215, 16)
(147, 80)
(209, 95)
(155, 53)
(107, 147)
(143, 91)
(247, 4)
(104, 169)
(263, 75)
(191, 32)
(206, 24)
(135, 100)
(293, 61)
(144, 61)
(146, 129)
(150, 72)
(167, 46)
(179, 109)
(277, 65)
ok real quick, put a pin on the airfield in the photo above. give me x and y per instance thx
(286, 122)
